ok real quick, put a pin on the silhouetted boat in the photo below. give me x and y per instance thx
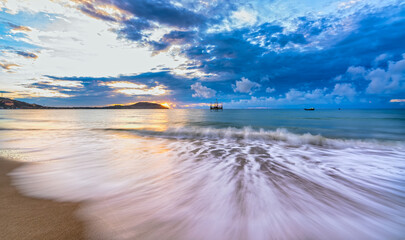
(309, 109)
(216, 106)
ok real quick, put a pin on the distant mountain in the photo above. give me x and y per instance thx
(6, 103)
(139, 105)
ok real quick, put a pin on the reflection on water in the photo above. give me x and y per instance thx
(159, 174)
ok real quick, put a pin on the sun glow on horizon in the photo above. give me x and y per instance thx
(165, 105)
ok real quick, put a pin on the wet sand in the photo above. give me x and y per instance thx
(28, 218)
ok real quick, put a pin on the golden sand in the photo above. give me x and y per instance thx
(29, 218)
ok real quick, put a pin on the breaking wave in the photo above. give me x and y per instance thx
(207, 183)
(248, 133)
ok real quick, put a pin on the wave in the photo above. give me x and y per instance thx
(226, 183)
(248, 133)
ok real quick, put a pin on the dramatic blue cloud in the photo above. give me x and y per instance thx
(26, 54)
(349, 53)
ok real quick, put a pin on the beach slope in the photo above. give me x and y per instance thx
(28, 218)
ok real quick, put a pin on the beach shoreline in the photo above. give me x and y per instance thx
(23, 217)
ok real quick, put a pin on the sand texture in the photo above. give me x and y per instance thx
(28, 218)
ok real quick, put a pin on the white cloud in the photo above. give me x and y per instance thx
(265, 78)
(315, 94)
(157, 90)
(294, 95)
(382, 81)
(63, 83)
(72, 44)
(352, 73)
(245, 86)
(397, 100)
(348, 4)
(344, 90)
(244, 17)
(202, 91)
(136, 89)
(387, 81)
(255, 101)
(270, 90)
(356, 71)
(380, 58)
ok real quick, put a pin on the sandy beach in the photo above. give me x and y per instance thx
(28, 218)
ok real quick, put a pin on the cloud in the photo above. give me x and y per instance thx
(46, 89)
(64, 41)
(261, 49)
(387, 81)
(161, 12)
(244, 17)
(133, 29)
(340, 94)
(58, 84)
(380, 58)
(164, 13)
(356, 71)
(265, 78)
(319, 54)
(294, 95)
(202, 91)
(131, 88)
(100, 12)
(27, 54)
(174, 37)
(148, 86)
(397, 100)
(179, 37)
(18, 28)
(245, 86)
(353, 73)
(158, 90)
(8, 66)
(344, 90)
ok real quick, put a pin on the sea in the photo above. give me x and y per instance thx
(232, 174)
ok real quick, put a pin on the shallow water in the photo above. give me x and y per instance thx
(236, 174)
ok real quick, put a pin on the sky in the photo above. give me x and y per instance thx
(246, 54)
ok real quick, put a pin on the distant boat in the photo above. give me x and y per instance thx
(216, 106)
(309, 109)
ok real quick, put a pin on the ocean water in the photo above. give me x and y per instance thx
(236, 174)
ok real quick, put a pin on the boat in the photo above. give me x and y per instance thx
(216, 106)
(309, 109)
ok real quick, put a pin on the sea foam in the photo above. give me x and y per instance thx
(207, 183)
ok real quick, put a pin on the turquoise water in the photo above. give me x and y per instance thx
(349, 124)
(236, 174)
(367, 124)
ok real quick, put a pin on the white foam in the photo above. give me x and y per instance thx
(192, 183)
(280, 134)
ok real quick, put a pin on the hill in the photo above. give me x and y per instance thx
(6, 103)
(139, 105)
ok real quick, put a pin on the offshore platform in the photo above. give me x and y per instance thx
(216, 106)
